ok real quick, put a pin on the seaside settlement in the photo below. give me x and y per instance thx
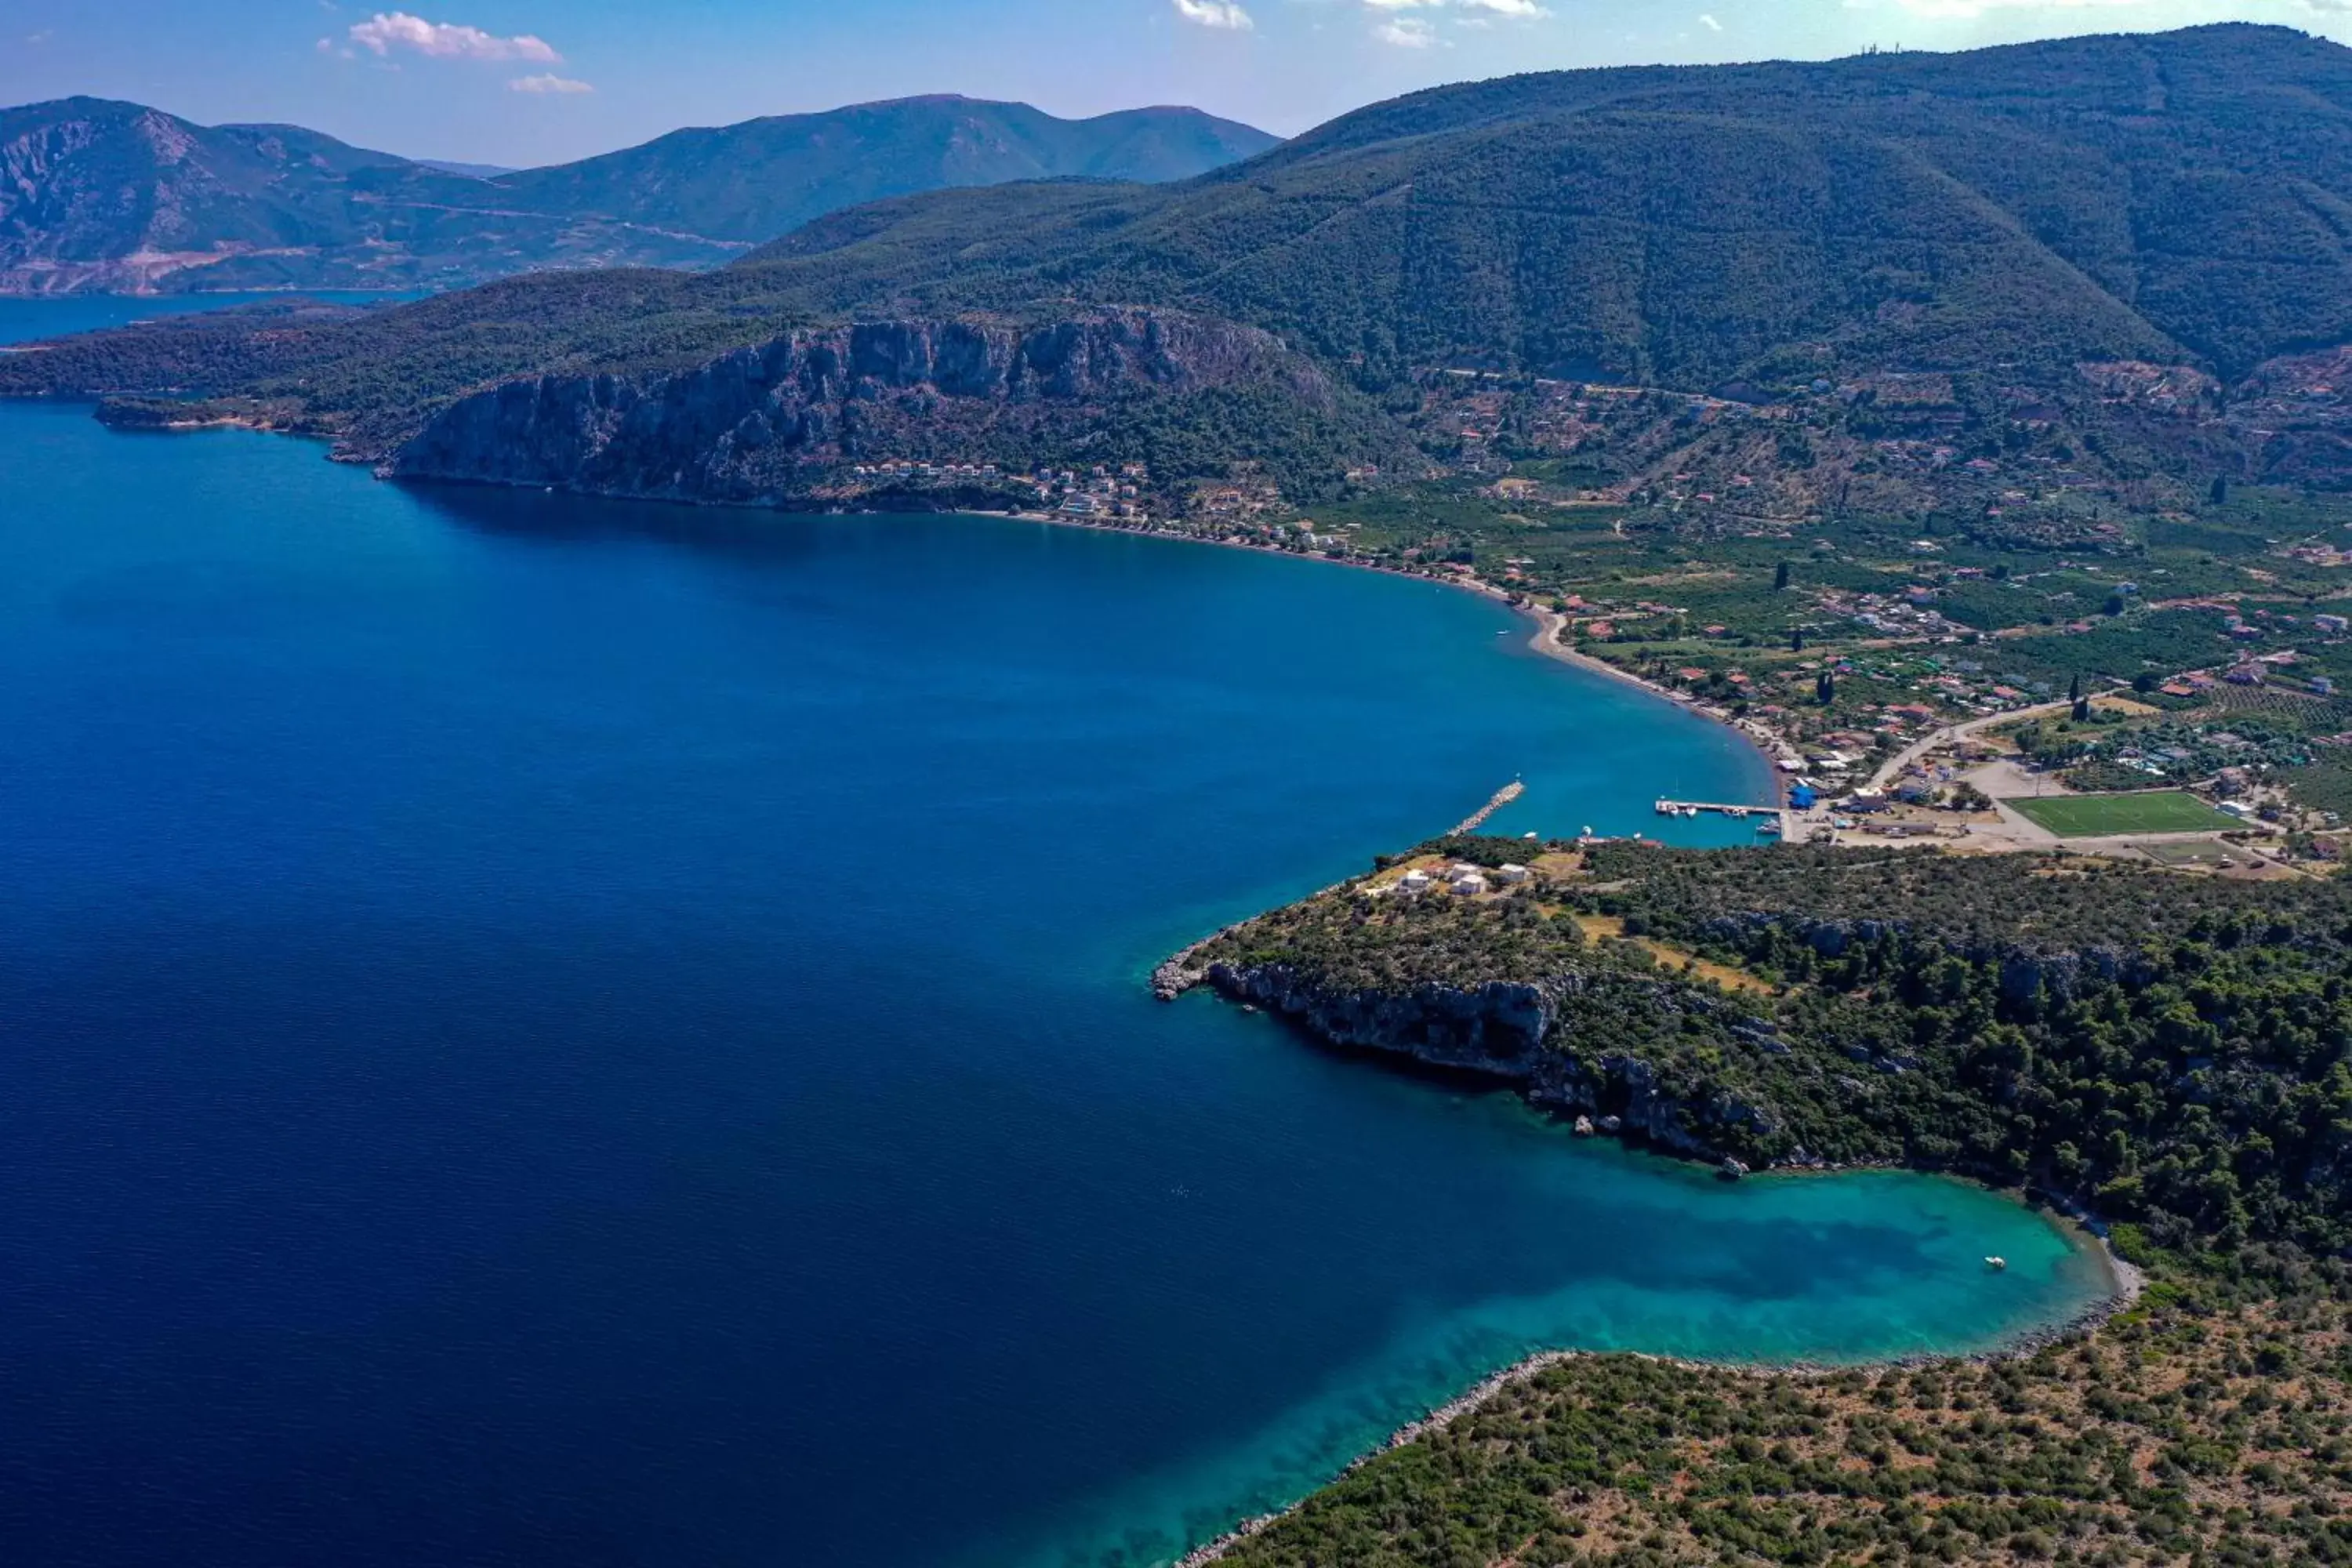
(2036, 653)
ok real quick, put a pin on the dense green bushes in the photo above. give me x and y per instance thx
(2171, 1051)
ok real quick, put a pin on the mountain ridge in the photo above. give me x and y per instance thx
(106, 194)
(1595, 222)
(2161, 210)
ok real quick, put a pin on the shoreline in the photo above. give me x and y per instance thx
(1544, 640)
(2126, 1279)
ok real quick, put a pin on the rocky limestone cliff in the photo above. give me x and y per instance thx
(787, 420)
(1510, 1030)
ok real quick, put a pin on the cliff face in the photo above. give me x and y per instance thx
(774, 422)
(1512, 1031)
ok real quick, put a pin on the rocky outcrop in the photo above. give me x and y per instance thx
(1511, 1030)
(792, 417)
(1496, 1027)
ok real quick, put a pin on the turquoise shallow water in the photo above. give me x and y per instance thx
(536, 1030)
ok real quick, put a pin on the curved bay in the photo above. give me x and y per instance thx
(534, 1028)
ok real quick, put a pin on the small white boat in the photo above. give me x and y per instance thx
(1768, 827)
(1996, 1263)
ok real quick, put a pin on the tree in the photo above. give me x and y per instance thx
(2075, 688)
(1780, 575)
(1797, 640)
(2082, 709)
(1825, 689)
(2219, 493)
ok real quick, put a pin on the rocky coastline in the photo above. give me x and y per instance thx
(1498, 1030)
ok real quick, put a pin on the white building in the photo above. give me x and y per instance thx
(1514, 875)
(1471, 885)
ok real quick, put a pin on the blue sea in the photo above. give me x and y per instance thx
(539, 1031)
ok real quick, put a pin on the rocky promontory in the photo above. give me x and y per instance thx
(825, 416)
(1512, 1030)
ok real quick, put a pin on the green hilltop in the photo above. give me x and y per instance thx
(2172, 196)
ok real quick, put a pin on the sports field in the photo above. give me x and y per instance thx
(2139, 811)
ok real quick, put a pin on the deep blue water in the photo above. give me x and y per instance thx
(534, 1031)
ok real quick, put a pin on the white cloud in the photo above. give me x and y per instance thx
(1965, 10)
(1226, 15)
(390, 30)
(547, 81)
(1406, 32)
(1711, 25)
(1419, 35)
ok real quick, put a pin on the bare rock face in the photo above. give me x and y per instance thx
(770, 423)
(1510, 1030)
(1496, 1027)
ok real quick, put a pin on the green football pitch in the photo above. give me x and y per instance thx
(2141, 811)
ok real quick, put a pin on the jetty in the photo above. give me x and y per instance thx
(1693, 807)
(1776, 821)
(1502, 797)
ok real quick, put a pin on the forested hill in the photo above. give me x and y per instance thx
(96, 195)
(2182, 199)
(2164, 1051)
(2183, 195)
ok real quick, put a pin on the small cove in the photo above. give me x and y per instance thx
(539, 1028)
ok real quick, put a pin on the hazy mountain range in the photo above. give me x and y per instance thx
(97, 194)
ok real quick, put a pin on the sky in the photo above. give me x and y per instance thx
(524, 82)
